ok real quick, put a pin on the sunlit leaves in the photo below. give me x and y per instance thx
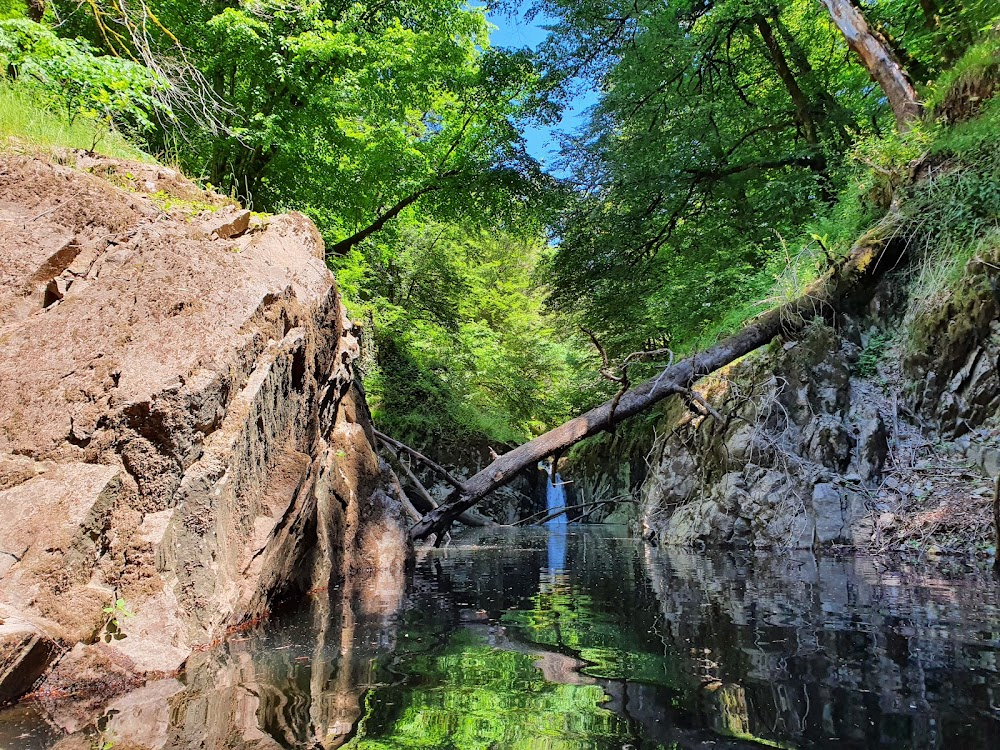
(76, 80)
(465, 352)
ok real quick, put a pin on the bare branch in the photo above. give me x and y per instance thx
(437, 468)
(559, 511)
(692, 396)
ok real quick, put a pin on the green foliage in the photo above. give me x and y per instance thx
(26, 121)
(732, 157)
(504, 699)
(950, 217)
(872, 354)
(68, 75)
(361, 113)
(13, 9)
(116, 614)
(465, 354)
(698, 161)
(981, 61)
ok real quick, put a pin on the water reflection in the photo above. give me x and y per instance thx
(580, 638)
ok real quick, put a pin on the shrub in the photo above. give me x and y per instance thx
(108, 91)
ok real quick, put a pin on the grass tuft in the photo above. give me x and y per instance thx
(25, 124)
(959, 92)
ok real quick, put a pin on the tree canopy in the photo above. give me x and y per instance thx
(736, 149)
(723, 134)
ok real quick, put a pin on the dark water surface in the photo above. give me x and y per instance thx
(581, 638)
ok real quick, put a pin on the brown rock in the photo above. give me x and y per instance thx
(24, 655)
(229, 225)
(168, 429)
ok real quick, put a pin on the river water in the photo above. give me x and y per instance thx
(580, 637)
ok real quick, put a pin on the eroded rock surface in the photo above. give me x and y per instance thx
(881, 434)
(179, 427)
(953, 366)
(788, 466)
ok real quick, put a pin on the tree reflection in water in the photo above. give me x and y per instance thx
(581, 638)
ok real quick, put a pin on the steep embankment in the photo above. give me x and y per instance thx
(179, 426)
(878, 434)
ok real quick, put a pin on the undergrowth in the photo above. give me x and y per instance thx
(25, 124)
(952, 215)
(973, 73)
(872, 354)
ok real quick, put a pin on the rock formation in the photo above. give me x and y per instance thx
(181, 436)
(852, 436)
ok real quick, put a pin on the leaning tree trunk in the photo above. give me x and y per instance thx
(876, 56)
(36, 10)
(843, 288)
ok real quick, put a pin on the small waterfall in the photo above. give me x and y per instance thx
(555, 499)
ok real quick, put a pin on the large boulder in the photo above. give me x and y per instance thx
(181, 438)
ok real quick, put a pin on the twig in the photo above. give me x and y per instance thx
(404, 500)
(437, 468)
(565, 508)
(692, 395)
(46, 212)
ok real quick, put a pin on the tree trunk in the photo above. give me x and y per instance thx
(878, 59)
(803, 107)
(931, 20)
(873, 256)
(427, 501)
(803, 110)
(831, 111)
(345, 245)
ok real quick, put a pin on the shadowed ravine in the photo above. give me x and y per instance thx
(493, 647)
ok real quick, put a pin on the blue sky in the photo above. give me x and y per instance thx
(517, 33)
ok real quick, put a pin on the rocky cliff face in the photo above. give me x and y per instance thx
(875, 434)
(179, 426)
(799, 442)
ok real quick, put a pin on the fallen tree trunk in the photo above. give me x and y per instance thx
(871, 258)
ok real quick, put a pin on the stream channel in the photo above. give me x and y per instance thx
(580, 637)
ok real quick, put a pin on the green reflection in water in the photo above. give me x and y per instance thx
(614, 648)
(473, 696)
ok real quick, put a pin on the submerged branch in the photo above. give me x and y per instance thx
(566, 508)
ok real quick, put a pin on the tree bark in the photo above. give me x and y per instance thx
(803, 110)
(879, 60)
(873, 256)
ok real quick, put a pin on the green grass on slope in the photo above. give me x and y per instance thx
(27, 124)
